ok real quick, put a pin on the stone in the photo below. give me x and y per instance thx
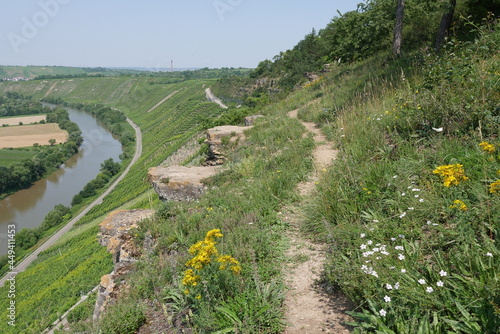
(250, 120)
(221, 140)
(179, 183)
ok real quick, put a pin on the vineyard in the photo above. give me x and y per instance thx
(75, 264)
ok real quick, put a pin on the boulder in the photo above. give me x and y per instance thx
(221, 140)
(250, 120)
(179, 183)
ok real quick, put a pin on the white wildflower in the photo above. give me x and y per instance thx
(443, 273)
(401, 248)
(387, 299)
(363, 246)
(362, 235)
(489, 254)
(421, 281)
(440, 283)
(388, 286)
(401, 257)
(429, 289)
(403, 271)
(382, 312)
(396, 286)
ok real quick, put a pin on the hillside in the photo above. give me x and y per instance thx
(405, 218)
(31, 72)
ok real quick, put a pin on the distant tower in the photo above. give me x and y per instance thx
(171, 66)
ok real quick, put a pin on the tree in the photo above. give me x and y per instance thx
(52, 141)
(398, 28)
(445, 25)
(109, 167)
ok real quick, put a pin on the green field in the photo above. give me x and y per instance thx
(8, 156)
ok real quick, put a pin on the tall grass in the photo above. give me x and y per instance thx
(416, 253)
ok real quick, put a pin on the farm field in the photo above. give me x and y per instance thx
(24, 119)
(27, 135)
(8, 156)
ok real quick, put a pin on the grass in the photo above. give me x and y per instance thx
(415, 252)
(9, 156)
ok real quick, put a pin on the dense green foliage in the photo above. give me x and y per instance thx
(15, 104)
(22, 174)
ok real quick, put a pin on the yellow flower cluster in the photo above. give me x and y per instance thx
(490, 148)
(495, 187)
(452, 174)
(205, 252)
(459, 205)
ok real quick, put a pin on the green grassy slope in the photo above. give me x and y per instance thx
(76, 264)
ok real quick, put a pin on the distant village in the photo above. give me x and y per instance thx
(21, 78)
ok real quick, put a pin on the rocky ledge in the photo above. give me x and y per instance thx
(115, 234)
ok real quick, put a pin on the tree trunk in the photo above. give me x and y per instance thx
(398, 28)
(445, 25)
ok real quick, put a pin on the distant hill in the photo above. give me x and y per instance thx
(31, 72)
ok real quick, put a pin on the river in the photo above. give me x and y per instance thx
(28, 207)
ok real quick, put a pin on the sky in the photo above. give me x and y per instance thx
(151, 33)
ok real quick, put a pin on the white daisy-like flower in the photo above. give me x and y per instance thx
(429, 289)
(402, 215)
(384, 252)
(403, 194)
(489, 254)
(403, 271)
(443, 273)
(440, 283)
(375, 221)
(362, 235)
(393, 239)
(382, 312)
(417, 196)
(401, 248)
(395, 177)
(429, 222)
(369, 242)
(401, 257)
(374, 273)
(363, 246)
(396, 286)
(421, 200)
(387, 299)
(402, 236)
(411, 208)
(415, 189)
(376, 249)
(421, 281)
(388, 287)
(364, 267)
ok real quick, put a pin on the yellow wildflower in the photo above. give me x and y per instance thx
(452, 174)
(459, 205)
(487, 147)
(495, 187)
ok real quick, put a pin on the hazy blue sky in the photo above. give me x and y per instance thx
(149, 33)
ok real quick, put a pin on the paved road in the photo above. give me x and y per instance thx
(27, 261)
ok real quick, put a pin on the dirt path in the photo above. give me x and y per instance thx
(165, 99)
(308, 309)
(212, 98)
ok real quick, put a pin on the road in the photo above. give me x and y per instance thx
(212, 98)
(29, 259)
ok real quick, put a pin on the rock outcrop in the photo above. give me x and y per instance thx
(221, 140)
(179, 183)
(115, 235)
(250, 120)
